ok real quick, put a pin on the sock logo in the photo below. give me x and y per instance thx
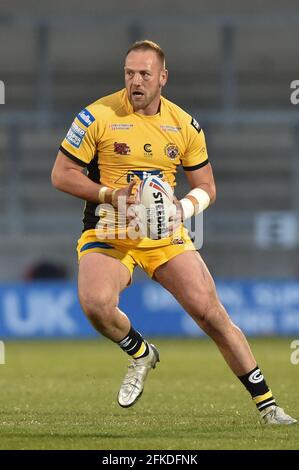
(256, 377)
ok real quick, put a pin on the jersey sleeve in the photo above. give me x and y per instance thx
(196, 155)
(80, 143)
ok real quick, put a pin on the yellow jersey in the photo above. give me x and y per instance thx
(117, 144)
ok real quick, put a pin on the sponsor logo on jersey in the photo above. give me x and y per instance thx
(75, 135)
(121, 127)
(177, 241)
(142, 174)
(148, 150)
(195, 124)
(85, 117)
(121, 148)
(171, 150)
(78, 130)
(167, 128)
(256, 377)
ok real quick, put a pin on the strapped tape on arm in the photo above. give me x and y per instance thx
(189, 209)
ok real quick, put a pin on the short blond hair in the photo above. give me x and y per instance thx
(147, 45)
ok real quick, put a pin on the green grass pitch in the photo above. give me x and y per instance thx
(62, 395)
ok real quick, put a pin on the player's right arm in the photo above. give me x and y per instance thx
(77, 150)
(68, 176)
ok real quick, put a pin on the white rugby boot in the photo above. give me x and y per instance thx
(132, 386)
(275, 415)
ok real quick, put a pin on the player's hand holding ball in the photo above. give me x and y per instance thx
(123, 196)
(175, 216)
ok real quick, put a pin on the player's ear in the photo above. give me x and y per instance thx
(163, 77)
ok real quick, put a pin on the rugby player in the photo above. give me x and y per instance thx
(120, 139)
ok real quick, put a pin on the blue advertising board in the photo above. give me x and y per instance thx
(48, 310)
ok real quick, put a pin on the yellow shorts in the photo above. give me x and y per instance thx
(148, 258)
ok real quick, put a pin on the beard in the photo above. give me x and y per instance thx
(143, 101)
(139, 102)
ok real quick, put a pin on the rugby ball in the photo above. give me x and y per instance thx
(155, 200)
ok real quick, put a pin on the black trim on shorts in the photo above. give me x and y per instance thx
(75, 159)
(196, 167)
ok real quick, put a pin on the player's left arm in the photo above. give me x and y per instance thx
(199, 173)
(201, 196)
(202, 178)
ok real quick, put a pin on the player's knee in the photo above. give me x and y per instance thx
(215, 320)
(98, 307)
(207, 311)
(203, 300)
